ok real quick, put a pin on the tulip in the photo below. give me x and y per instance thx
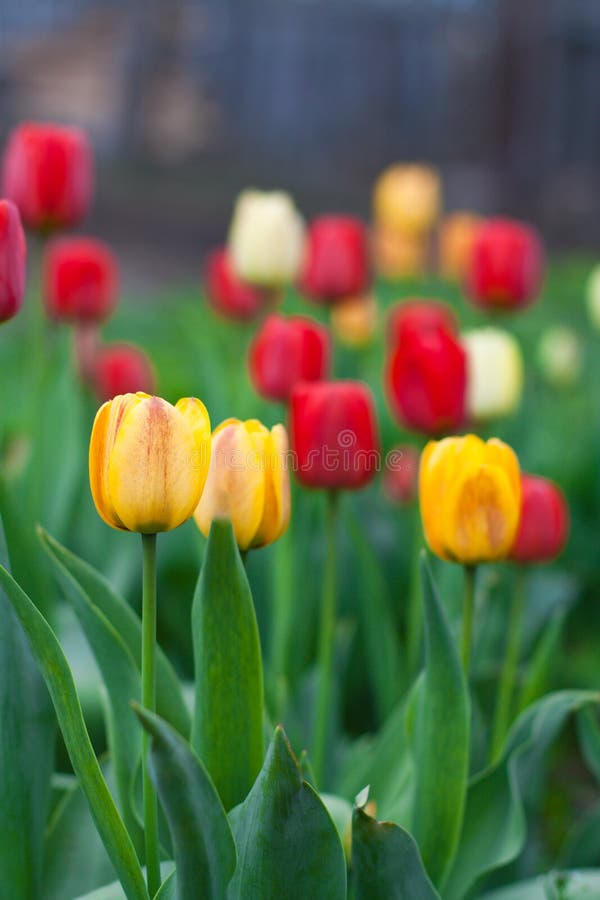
(81, 279)
(247, 482)
(334, 434)
(354, 321)
(544, 522)
(13, 254)
(266, 238)
(121, 369)
(48, 172)
(593, 297)
(412, 316)
(507, 265)
(407, 199)
(426, 380)
(455, 244)
(397, 255)
(559, 355)
(228, 295)
(148, 461)
(495, 373)
(336, 261)
(287, 350)
(401, 474)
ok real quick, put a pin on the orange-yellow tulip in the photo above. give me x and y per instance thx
(407, 199)
(247, 482)
(148, 461)
(470, 493)
(354, 321)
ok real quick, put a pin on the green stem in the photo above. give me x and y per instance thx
(149, 703)
(414, 613)
(326, 642)
(467, 623)
(506, 684)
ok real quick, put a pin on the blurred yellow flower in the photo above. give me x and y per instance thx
(407, 199)
(494, 373)
(470, 494)
(455, 244)
(397, 255)
(248, 482)
(354, 321)
(148, 461)
(266, 238)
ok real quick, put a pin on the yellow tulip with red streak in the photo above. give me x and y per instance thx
(148, 461)
(248, 482)
(470, 495)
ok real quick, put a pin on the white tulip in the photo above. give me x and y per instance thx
(559, 356)
(495, 373)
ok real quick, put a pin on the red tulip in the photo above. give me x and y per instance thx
(418, 315)
(13, 254)
(227, 293)
(336, 262)
(426, 380)
(81, 279)
(401, 474)
(285, 351)
(506, 267)
(334, 436)
(544, 523)
(48, 171)
(122, 369)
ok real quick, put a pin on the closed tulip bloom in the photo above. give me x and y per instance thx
(455, 244)
(334, 434)
(121, 369)
(13, 255)
(495, 373)
(560, 356)
(426, 380)
(81, 279)
(544, 523)
(248, 482)
(354, 321)
(266, 238)
(336, 261)
(412, 316)
(287, 350)
(407, 199)
(228, 295)
(148, 461)
(401, 474)
(470, 496)
(506, 266)
(397, 255)
(48, 172)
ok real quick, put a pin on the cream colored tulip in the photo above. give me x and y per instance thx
(559, 354)
(494, 373)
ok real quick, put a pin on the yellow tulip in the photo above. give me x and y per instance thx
(247, 482)
(470, 494)
(148, 461)
(455, 244)
(354, 320)
(407, 199)
(397, 255)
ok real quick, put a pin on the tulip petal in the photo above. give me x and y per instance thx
(196, 415)
(277, 505)
(483, 515)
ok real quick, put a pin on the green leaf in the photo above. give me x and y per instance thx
(570, 885)
(97, 593)
(495, 828)
(588, 731)
(539, 668)
(227, 733)
(203, 844)
(168, 889)
(59, 681)
(287, 844)
(442, 741)
(114, 891)
(27, 732)
(386, 864)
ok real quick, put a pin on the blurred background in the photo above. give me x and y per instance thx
(187, 102)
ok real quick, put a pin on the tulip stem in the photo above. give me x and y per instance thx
(414, 617)
(506, 684)
(149, 703)
(326, 641)
(467, 623)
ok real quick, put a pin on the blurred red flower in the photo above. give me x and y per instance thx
(227, 293)
(13, 256)
(81, 279)
(544, 523)
(122, 369)
(506, 267)
(336, 260)
(286, 351)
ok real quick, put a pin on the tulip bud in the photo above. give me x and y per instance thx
(593, 297)
(354, 321)
(559, 355)
(544, 522)
(507, 265)
(408, 317)
(455, 244)
(148, 461)
(121, 369)
(266, 238)
(426, 380)
(334, 434)
(396, 255)
(48, 172)
(401, 474)
(470, 495)
(336, 259)
(81, 279)
(248, 483)
(285, 351)
(407, 199)
(13, 254)
(495, 373)
(226, 293)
